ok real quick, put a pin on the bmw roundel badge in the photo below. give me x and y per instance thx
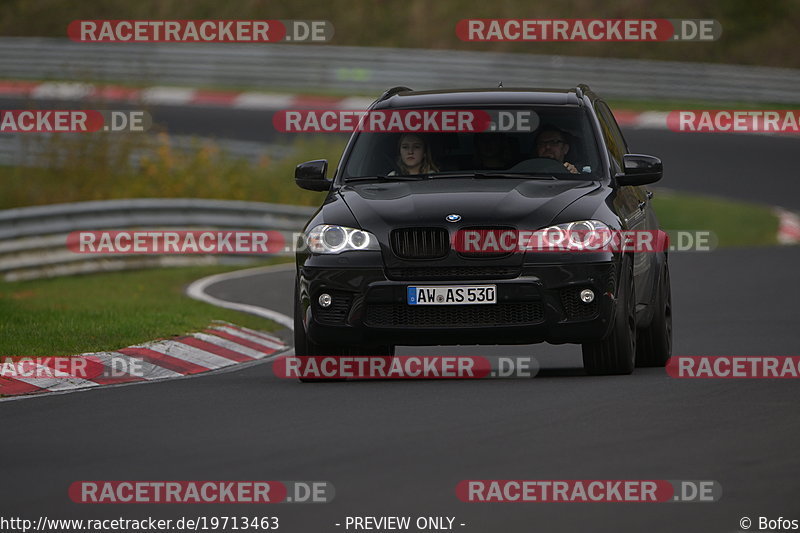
(453, 218)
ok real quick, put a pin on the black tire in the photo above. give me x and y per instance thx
(654, 343)
(616, 354)
(305, 347)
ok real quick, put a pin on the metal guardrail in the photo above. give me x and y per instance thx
(33, 239)
(366, 69)
(35, 150)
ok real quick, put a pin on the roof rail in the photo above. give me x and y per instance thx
(582, 88)
(393, 91)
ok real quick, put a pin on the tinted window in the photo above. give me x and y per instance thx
(378, 154)
(612, 134)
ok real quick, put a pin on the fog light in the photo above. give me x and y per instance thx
(325, 300)
(587, 296)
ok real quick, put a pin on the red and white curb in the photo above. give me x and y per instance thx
(650, 120)
(178, 96)
(182, 96)
(221, 345)
(788, 227)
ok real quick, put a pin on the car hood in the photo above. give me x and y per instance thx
(524, 204)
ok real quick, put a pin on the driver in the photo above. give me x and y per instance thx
(552, 142)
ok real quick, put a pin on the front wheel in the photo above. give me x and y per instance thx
(616, 354)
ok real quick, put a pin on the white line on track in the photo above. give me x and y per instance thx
(197, 290)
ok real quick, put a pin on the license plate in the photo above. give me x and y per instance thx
(453, 295)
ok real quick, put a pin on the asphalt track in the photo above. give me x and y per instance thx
(400, 447)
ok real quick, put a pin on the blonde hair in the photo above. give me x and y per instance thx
(427, 166)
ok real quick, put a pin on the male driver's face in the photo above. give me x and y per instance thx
(551, 144)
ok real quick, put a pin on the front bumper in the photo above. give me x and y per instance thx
(535, 303)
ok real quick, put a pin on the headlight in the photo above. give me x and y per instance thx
(579, 235)
(328, 239)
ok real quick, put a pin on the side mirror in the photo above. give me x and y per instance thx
(311, 175)
(640, 170)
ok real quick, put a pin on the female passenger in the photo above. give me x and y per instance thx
(414, 156)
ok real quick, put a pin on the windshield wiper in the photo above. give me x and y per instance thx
(485, 175)
(384, 177)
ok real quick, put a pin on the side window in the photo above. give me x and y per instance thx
(612, 134)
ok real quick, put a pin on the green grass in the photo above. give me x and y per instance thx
(734, 223)
(98, 169)
(71, 315)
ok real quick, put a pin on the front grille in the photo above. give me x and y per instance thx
(453, 316)
(460, 272)
(337, 312)
(574, 308)
(420, 243)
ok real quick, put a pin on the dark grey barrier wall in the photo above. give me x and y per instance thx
(369, 70)
(33, 239)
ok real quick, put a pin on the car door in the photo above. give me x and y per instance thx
(632, 203)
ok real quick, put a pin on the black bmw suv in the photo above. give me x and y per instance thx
(383, 262)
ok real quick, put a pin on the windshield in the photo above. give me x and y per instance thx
(555, 141)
